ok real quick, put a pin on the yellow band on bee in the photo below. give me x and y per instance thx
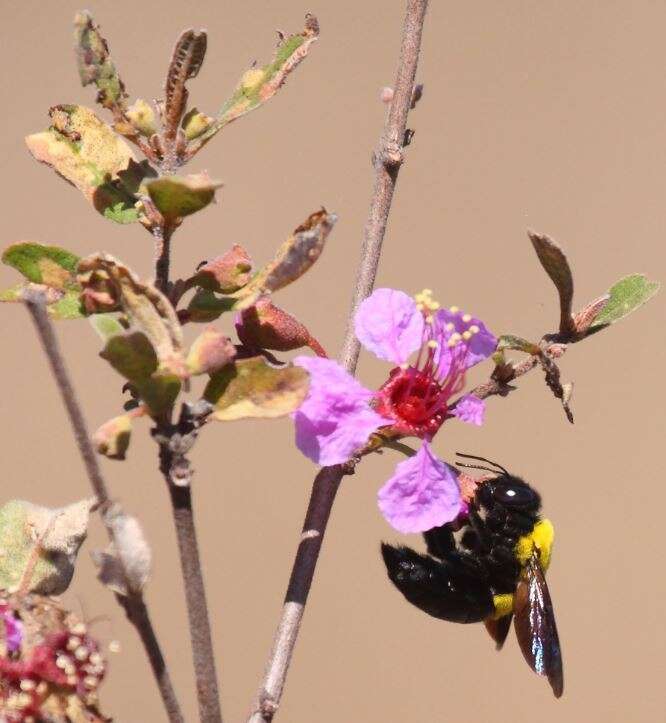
(503, 605)
(541, 539)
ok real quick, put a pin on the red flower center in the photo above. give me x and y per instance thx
(415, 400)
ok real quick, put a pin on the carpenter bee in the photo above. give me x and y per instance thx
(492, 570)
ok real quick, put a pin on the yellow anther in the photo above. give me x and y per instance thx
(454, 309)
(429, 319)
(450, 326)
(435, 305)
(467, 335)
(467, 318)
(432, 344)
(456, 336)
(474, 329)
(420, 306)
(451, 342)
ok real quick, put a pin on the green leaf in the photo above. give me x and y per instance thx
(509, 341)
(626, 296)
(205, 306)
(132, 355)
(106, 325)
(555, 263)
(95, 64)
(49, 538)
(260, 84)
(176, 196)
(251, 388)
(87, 153)
(49, 265)
(49, 269)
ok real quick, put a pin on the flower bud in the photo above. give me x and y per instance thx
(226, 273)
(265, 326)
(113, 437)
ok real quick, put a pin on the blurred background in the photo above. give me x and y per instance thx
(549, 116)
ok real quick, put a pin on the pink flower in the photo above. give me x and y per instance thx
(339, 414)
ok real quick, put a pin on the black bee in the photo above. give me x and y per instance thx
(492, 571)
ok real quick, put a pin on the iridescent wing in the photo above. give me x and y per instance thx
(534, 621)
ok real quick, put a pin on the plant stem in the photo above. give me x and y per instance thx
(133, 605)
(197, 608)
(387, 161)
(178, 475)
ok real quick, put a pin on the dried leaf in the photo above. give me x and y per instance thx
(552, 377)
(509, 341)
(260, 84)
(87, 153)
(109, 284)
(293, 258)
(95, 64)
(125, 565)
(113, 437)
(188, 57)
(50, 270)
(225, 274)
(49, 538)
(253, 388)
(176, 197)
(209, 352)
(626, 296)
(555, 263)
(584, 318)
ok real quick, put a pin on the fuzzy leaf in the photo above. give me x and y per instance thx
(626, 296)
(298, 253)
(108, 285)
(509, 341)
(125, 565)
(87, 153)
(47, 538)
(95, 64)
(106, 325)
(49, 265)
(554, 262)
(253, 388)
(209, 352)
(176, 197)
(113, 437)
(260, 84)
(48, 269)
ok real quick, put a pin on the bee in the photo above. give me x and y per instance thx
(492, 570)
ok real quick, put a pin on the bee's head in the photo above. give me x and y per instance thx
(510, 492)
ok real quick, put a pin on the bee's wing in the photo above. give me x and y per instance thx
(498, 629)
(535, 626)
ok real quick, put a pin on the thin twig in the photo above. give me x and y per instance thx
(134, 605)
(162, 237)
(387, 161)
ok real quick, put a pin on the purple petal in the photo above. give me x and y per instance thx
(13, 631)
(335, 420)
(470, 409)
(389, 325)
(422, 494)
(480, 345)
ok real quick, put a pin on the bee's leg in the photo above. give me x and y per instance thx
(440, 541)
(452, 589)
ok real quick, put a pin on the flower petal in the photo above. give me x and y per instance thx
(470, 409)
(335, 420)
(480, 345)
(389, 325)
(422, 494)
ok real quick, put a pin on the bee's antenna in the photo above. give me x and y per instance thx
(481, 459)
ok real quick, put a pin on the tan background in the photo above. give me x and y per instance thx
(546, 115)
